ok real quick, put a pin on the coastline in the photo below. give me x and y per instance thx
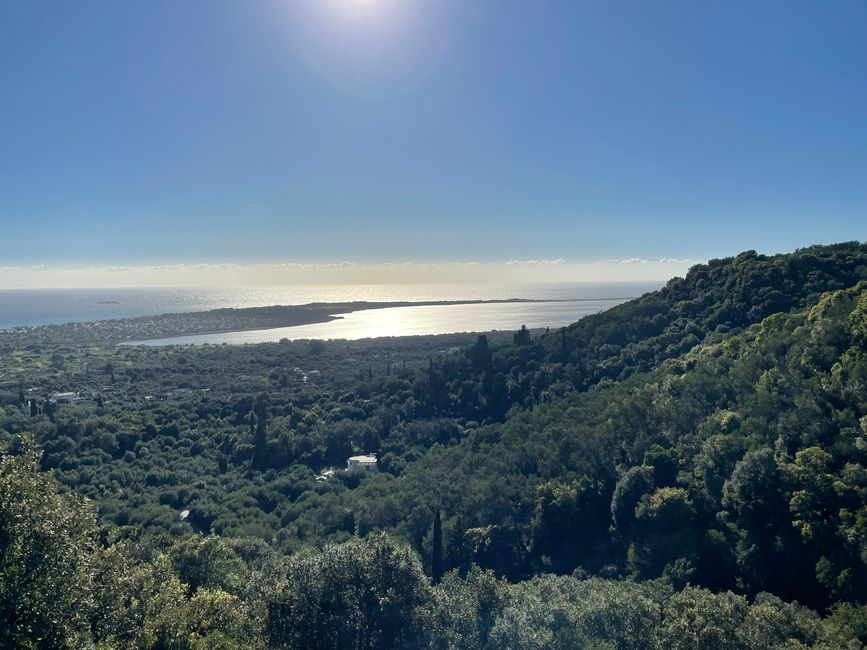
(141, 329)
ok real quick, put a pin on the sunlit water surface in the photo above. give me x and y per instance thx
(47, 306)
(561, 303)
(410, 321)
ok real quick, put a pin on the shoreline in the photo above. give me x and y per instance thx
(280, 333)
(225, 320)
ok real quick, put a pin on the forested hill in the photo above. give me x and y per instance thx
(740, 465)
(711, 302)
(659, 475)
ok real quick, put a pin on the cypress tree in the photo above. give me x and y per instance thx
(522, 336)
(436, 563)
(48, 408)
(480, 354)
(260, 437)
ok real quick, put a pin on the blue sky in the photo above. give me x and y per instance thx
(167, 132)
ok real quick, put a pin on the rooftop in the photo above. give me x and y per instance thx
(368, 458)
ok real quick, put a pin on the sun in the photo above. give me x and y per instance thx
(356, 5)
(372, 17)
(356, 9)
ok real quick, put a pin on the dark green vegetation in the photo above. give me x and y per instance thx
(674, 473)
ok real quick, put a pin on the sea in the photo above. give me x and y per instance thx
(556, 304)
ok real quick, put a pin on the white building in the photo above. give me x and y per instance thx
(365, 463)
(65, 398)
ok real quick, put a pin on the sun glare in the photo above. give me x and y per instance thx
(358, 8)
(359, 45)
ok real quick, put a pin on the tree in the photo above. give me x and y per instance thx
(207, 562)
(364, 594)
(260, 437)
(696, 619)
(664, 464)
(137, 597)
(666, 540)
(567, 521)
(49, 408)
(466, 609)
(498, 547)
(480, 354)
(436, 564)
(637, 482)
(717, 568)
(752, 494)
(522, 336)
(770, 619)
(46, 540)
(667, 508)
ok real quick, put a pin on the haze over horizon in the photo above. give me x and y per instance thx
(222, 142)
(345, 273)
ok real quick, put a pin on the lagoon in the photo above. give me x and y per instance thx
(414, 321)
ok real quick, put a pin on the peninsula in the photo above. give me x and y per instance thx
(215, 321)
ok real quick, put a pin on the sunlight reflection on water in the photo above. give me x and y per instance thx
(45, 306)
(411, 321)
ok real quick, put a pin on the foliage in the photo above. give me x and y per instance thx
(46, 543)
(361, 594)
(680, 472)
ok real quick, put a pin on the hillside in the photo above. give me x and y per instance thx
(691, 458)
(712, 301)
(740, 465)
